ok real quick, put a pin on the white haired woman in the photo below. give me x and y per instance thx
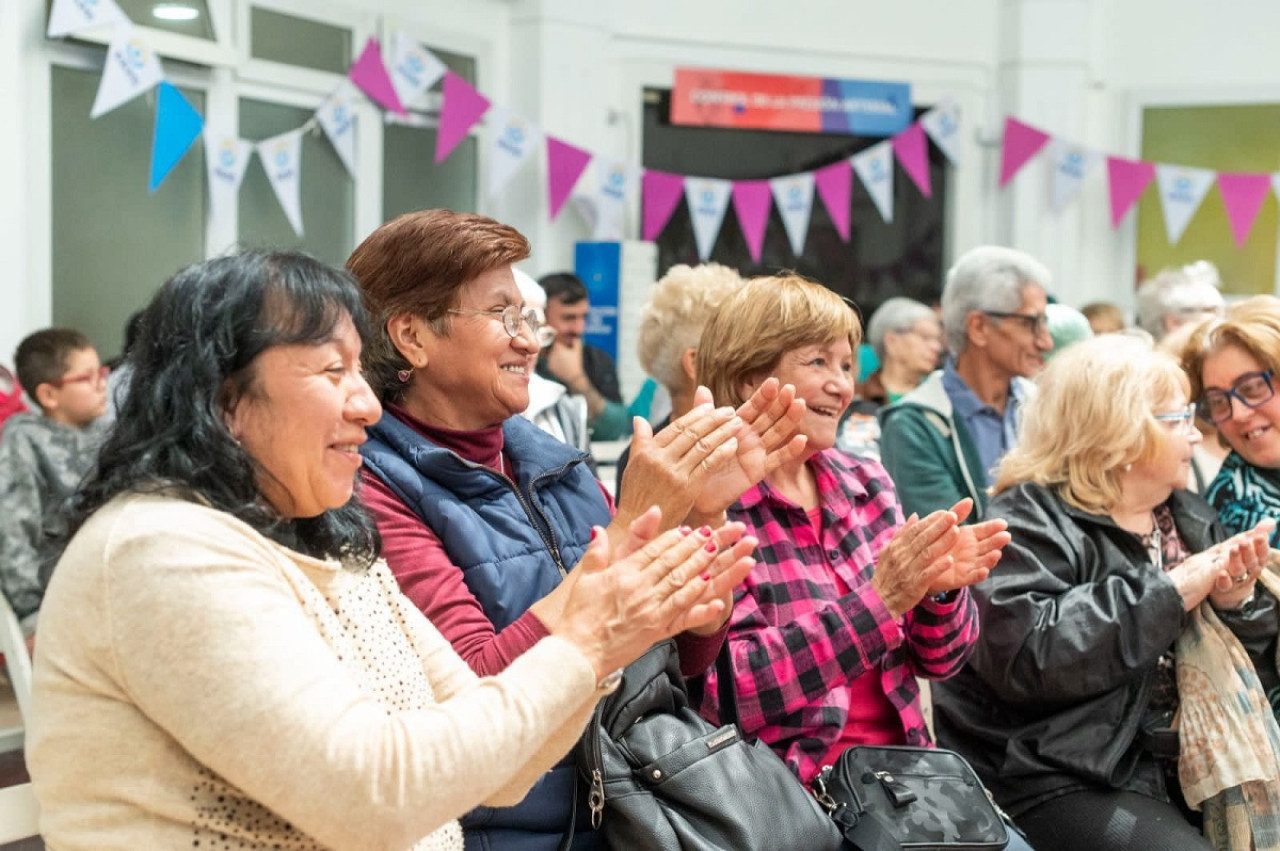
(679, 305)
(1107, 617)
(906, 337)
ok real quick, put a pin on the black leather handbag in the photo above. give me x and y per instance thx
(662, 778)
(909, 799)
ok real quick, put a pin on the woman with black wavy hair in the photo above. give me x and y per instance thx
(224, 659)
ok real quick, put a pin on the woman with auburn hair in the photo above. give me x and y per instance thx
(847, 603)
(1106, 620)
(484, 516)
(1233, 364)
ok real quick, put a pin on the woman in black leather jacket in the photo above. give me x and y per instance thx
(1066, 705)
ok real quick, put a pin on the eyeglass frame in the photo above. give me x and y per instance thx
(1184, 417)
(89, 377)
(511, 317)
(1037, 323)
(1202, 404)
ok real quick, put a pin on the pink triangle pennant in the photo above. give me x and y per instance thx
(565, 164)
(370, 74)
(835, 187)
(1021, 143)
(661, 192)
(751, 200)
(912, 149)
(1127, 179)
(463, 107)
(1243, 194)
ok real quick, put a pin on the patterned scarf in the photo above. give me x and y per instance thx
(1229, 765)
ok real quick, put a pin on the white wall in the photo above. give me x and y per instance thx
(1078, 68)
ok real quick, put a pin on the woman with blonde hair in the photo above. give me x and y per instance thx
(848, 602)
(1233, 364)
(1107, 618)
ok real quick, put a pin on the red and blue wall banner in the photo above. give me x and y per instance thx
(711, 98)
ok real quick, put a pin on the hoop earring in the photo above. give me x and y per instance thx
(404, 375)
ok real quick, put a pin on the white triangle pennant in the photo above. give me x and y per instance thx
(793, 196)
(1275, 184)
(132, 68)
(874, 168)
(942, 123)
(512, 141)
(1071, 165)
(282, 158)
(1182, 189)
(413, 68)
(708, 198)
(337, 116)
(614, 182)
(225, 159)
(72, 16)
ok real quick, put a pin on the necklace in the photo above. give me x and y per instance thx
(1156, 547)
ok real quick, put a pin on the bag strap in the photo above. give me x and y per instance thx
(567, 844)
(726, 691)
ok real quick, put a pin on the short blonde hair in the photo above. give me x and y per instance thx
(1093, 414)
(679, 306)
(1252, 325)
(768, 317)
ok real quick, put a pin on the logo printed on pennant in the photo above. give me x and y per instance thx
(1073, 165)
(226, 161)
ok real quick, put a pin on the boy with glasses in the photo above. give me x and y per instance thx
(43, 457)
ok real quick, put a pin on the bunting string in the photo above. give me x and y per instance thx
(604, 187)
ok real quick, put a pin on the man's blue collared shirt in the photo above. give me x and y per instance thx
(992, 434)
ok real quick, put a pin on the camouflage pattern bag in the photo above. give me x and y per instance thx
(909, 799)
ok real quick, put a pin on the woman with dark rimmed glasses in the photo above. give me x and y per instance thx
(1233, 365)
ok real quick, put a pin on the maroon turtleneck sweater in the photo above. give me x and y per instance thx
(434, 583)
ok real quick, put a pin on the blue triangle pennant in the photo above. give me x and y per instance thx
(177, 126)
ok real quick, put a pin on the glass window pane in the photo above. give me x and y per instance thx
(411, 181)
(184, 17)
(327, 191)
(278, 37)
(114, 243)
(463, 66)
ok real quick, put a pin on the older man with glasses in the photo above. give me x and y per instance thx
(941, 441)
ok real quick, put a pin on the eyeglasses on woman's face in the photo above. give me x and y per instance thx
(1183, 418)
(512, 316)
(1252, 389)
(90, 377)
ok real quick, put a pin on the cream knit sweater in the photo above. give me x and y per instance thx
(198, 686)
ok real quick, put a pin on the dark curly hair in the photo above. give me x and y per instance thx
(194, 357)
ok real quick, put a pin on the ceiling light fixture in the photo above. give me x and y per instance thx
(174, 12)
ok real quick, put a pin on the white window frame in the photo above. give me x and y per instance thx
(218, 52)
(426, 111)
(249, 68)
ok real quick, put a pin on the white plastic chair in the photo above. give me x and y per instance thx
(17, 662)
(19, 813)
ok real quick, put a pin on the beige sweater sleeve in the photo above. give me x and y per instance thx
(212, 644)
(450, 675)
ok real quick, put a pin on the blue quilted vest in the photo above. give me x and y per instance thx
(512, 545)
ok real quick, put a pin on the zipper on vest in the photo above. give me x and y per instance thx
(534, 513)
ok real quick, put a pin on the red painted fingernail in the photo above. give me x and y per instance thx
(684, 530)
(705, 531)
(593, 533)
(706, 577)
(710, 547)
